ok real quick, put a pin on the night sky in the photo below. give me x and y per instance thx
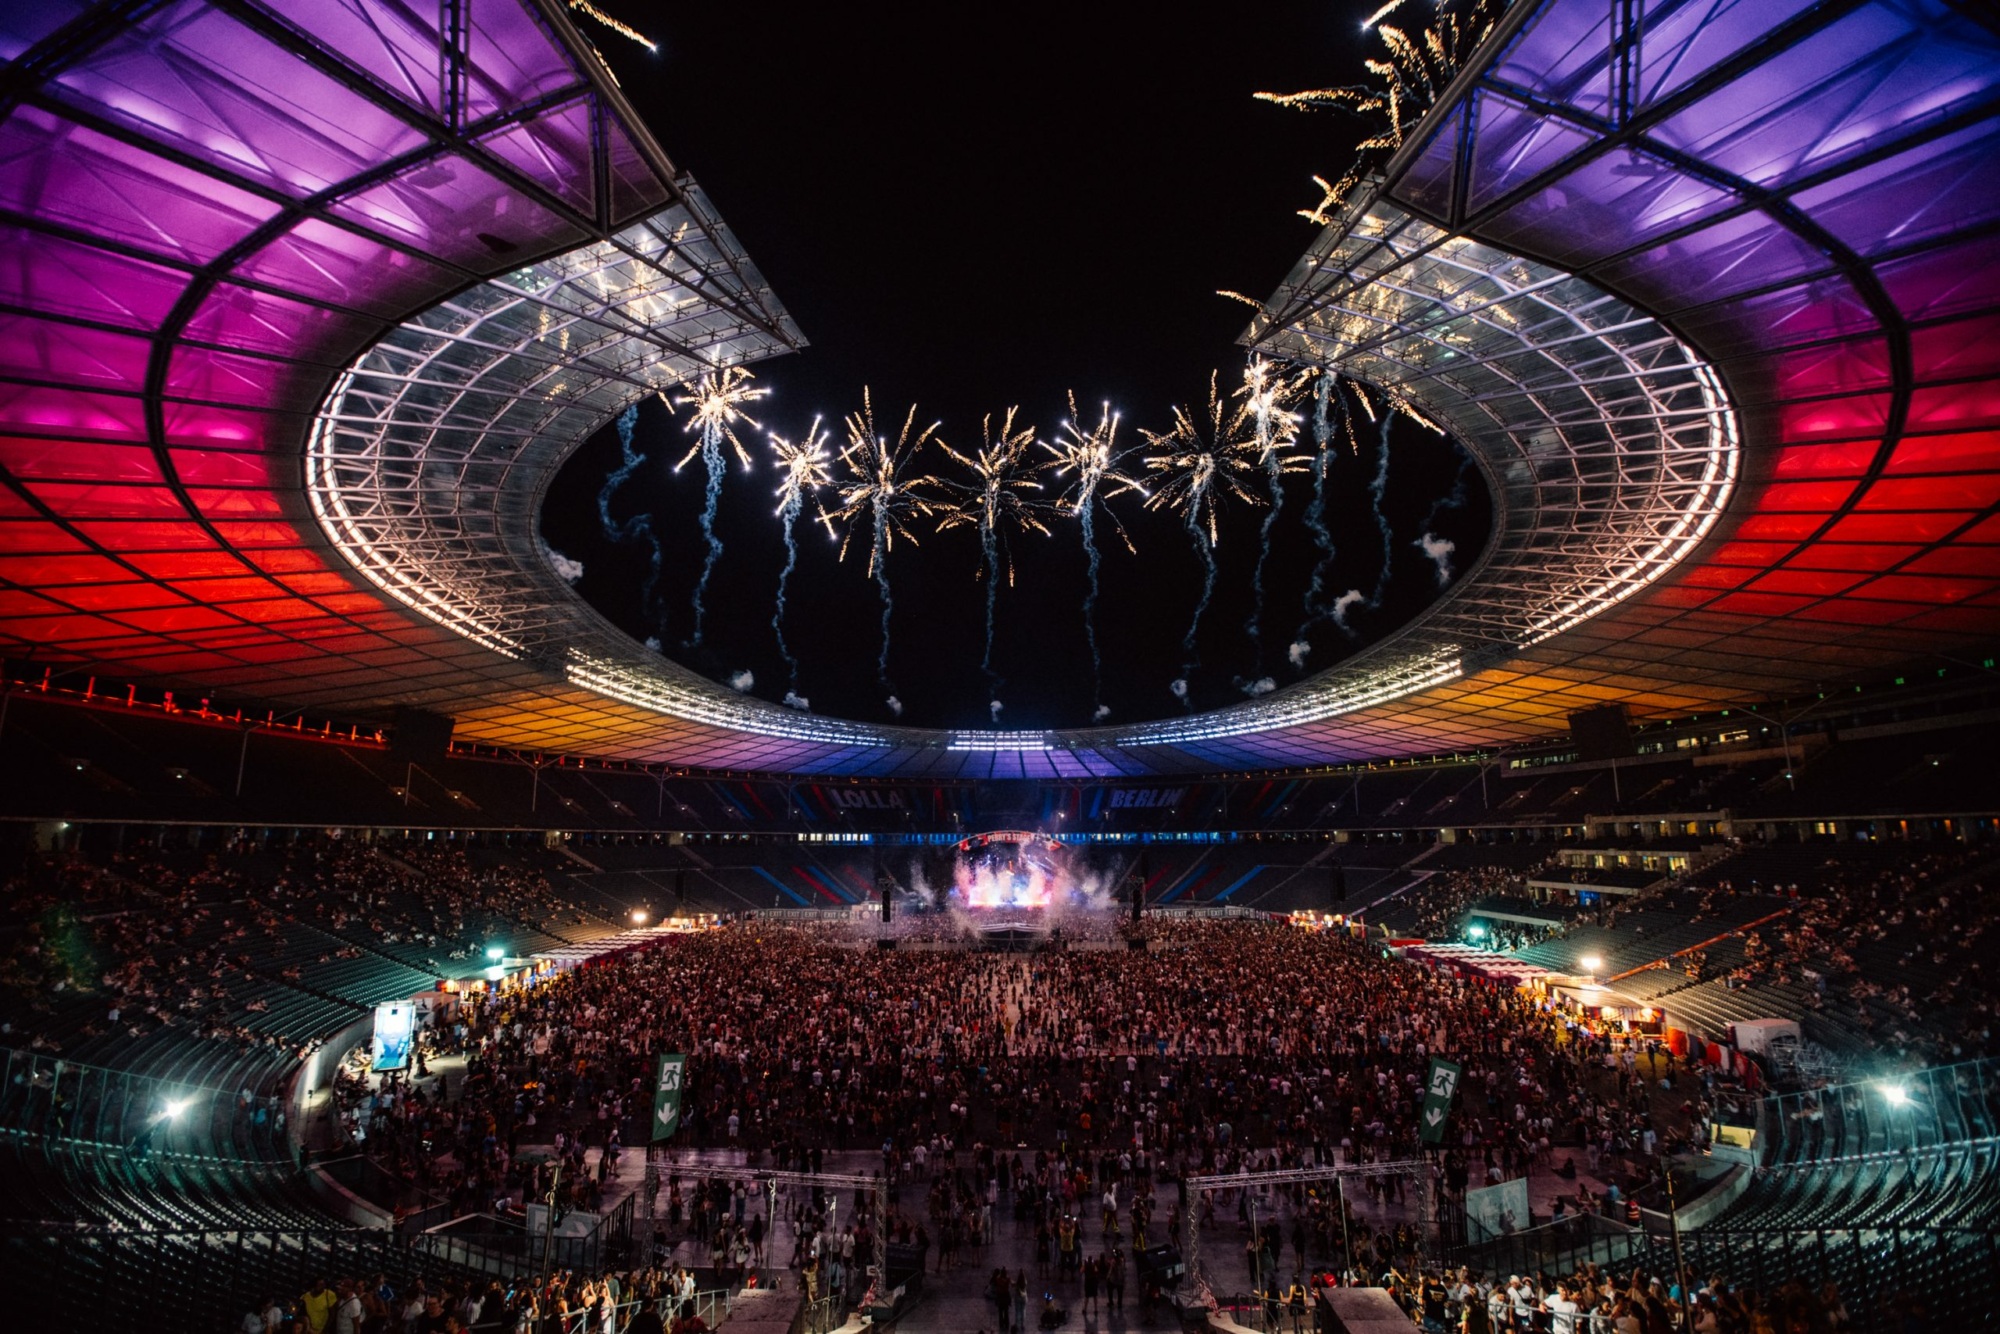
(975, 212)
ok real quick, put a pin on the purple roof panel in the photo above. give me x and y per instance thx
(457, 211)
(1944, 187)
(71, 353)
(1427, 184)
(319, 260)
(264, 115)
(547, 149)
(635, 188)
(1514, 146)
(25, 22)
(103, 187)
(1626, 194)
(1832, 95)
(62, 277)
(514, 58)
(388, 42)
(1730, 256)
(1560, 54)
(242, 317)
(1683, 42)
(1946, 280)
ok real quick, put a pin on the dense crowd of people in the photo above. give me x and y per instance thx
(136, 942)
(1225, 1046)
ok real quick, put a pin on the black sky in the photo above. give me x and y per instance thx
(969, 209)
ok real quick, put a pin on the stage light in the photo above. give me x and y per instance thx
(638, 917)
(1897, 1094)
(175, 1107)
(1591, 963)
(1475, 932)
(495, 952)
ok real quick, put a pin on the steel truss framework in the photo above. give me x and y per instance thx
(1705, 285)
(1415, 1170)
(769, 1179)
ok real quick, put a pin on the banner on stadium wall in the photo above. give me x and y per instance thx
(1439, 1086)
(395, 1023)
(667, 1101)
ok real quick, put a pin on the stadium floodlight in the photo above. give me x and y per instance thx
(1475, 932)
(638, 917)
(495, 952)
(175, 1106)
(1897, 1094)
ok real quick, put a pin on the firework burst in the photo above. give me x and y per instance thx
(1267, 394)
(804, 469)
(1089, 463)
(881, 490)
(1002, 494)
(1201, 464)
(718, 401)
(1414, 72)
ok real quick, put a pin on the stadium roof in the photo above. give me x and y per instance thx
(306, 301)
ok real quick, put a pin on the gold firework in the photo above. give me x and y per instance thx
(1415, 72)
(877, 487)
(1267, 395)
(1002, 492)
(1202, 463)
(804, 469)
(1090, 461)
(718, 401)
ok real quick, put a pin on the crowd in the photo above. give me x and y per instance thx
(653, 1299)
(1434, 907)
(1252, 1045)
(123, 947)
(1886, 947)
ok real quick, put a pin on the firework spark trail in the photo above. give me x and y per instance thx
(878, 489)
(639, 526)
(1201, 465)
(1326, 393)
(717, 401)
(1267, 394)
(804, 468)
(997, 497)
(1345, 604)
(1091, 459)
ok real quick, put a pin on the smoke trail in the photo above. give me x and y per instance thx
(880, 560)
(1263, 685)
(794, 700)
(1092, 563)
(1190, 654)
(567, 569)
(640, 526)
(716, 465)
(1327, 394)
(993, 707)
(1439, 549)
(743, 681)
(789, 515)
(989, 547)
(1344, 605)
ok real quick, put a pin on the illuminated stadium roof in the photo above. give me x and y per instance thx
(307, 302)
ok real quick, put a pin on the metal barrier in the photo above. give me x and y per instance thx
(48, 1097)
